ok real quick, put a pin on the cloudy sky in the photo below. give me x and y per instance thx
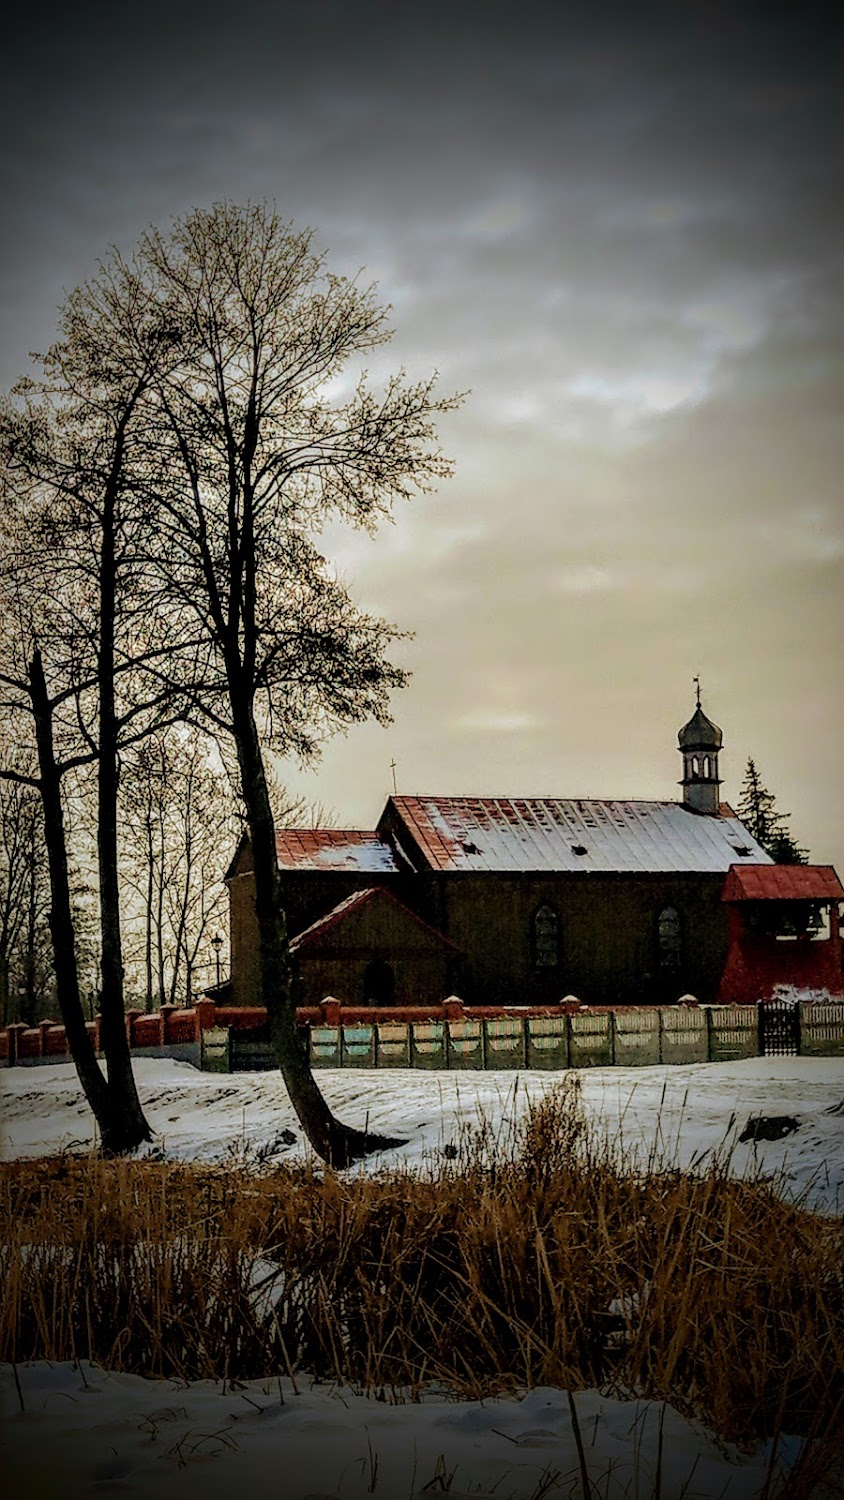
(622, 226)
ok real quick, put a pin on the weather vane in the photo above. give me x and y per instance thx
(696, 681)
(393, 769)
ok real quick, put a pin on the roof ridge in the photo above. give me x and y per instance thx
(358, 898)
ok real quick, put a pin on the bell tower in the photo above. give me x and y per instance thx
(700, 741)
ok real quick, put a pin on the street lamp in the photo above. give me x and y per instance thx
(216, 944)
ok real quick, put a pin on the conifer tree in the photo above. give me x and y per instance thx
(758, 811)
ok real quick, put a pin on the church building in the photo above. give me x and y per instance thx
(529, 900)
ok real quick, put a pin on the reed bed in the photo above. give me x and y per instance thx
(534, 1259)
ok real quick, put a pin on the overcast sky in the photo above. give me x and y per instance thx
(622, 227)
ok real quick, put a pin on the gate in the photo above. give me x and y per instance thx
(779, 1028)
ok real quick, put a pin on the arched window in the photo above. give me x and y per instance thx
(670, 938)
(546, 938)
(379, 983)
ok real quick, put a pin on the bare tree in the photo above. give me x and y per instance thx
(194, 436)
(260, 446)
(180, 816)
(25, 968)
(76, 512)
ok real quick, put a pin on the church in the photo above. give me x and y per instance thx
(529, 900)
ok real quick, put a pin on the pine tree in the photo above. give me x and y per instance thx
(758, 812)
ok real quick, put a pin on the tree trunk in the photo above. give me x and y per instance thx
(129, 1127)
(94, 1085)
(148, 922)
(334, 1142)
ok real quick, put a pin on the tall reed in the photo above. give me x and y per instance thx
(530, 1257)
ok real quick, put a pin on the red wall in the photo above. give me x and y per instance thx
(757, 963)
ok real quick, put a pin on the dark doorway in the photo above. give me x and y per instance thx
(379, 983)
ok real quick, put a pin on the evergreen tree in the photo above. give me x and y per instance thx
(758, 811)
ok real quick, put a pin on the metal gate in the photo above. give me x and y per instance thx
(779, 1028)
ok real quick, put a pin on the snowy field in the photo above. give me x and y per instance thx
(678, 1114)
(83, 1432)
(80, 1431)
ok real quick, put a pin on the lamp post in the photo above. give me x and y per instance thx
(216, 944)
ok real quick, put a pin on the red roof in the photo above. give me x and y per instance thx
(333, 849)
(782, 883)
(572, 835)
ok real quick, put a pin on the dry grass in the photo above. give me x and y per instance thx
(493, 1270)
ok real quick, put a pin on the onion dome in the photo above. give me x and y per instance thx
(700, 733)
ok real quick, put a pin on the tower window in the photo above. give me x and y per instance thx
(546, 938)
(669, 938)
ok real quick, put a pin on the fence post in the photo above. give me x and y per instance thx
(14, 1032)
(165, 1013)
(43, 1028)
(710, 1023)
(330, 1011)
(612, 1038)
(131, 1018)
(204, 1013)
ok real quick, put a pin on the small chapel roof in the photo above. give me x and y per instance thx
(586, 835)
(334, 849)
(783, 883)
(344, 909)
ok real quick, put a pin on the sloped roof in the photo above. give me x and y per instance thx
(509, 834)
(352, 903)
(783, 883)
(334, 849)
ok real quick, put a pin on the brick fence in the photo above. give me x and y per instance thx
(449, 1035)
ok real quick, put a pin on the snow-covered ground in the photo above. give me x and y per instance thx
(83, 1432)
(678, 1113)
(77, 1431)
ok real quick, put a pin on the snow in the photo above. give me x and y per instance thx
(543, 833)
(77, 1430)
(84, 1431)
(678, 1114)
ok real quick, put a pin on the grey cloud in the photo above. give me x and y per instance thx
(575, 213)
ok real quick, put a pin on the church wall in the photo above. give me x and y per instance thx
(607, 936)
(423, 968)
(305, 894)
(607, 933)
(243, 937)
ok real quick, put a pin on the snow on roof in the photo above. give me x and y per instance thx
(334, 849)
(511, 834)
(783, 883)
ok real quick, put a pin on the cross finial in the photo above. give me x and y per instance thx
(393, 769)
(696, 681)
